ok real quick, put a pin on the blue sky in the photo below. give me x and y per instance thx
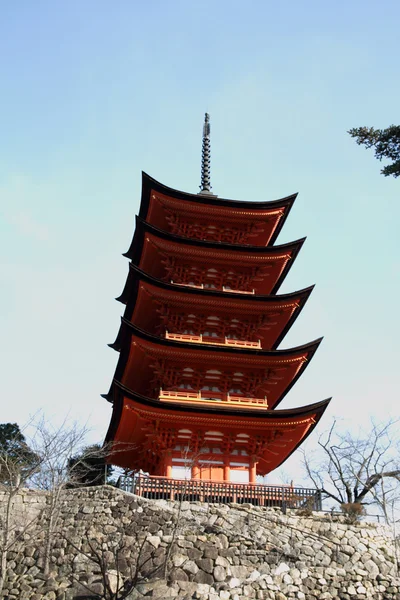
(93, 92)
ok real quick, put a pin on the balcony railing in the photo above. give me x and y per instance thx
(200, 339)
(225, 289)
(201, 286)
(167, 395)
(197, 490)
(191, 285)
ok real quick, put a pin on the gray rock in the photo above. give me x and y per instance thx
(178, 574)
(372, 568)
(222, 562)
(206, 564)
(219, 573)
(190, 567)
(178, 559)
(223, 540)
(203, 577)
(239, 571)
(211, 552)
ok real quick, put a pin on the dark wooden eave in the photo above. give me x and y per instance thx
(149, 184)
(283, 413)
(119, 391)
(136, 275)
(136, 247)
(142, 227)
(127, 329)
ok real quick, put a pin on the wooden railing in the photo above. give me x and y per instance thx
(225, 289)
(201, 286)
(192, 285)
(170, 395)
(196, 490)
(200, 339)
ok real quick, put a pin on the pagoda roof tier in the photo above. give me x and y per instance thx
(148, 363)
(163, 308)
(142, 430)
(203, 216)
(175, 259)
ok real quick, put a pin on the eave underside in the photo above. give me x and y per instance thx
(150, 185)
(159, 308)
(221, 266)
(148, 363)
(204, 221)
(141, 431)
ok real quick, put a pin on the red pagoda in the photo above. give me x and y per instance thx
(200, 375)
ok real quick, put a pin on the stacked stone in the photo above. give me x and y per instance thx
(188, 550)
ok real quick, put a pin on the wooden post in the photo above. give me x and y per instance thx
(168, 464)
(227, 469)
(252, 470)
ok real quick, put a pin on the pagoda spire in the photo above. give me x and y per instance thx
(205, 187)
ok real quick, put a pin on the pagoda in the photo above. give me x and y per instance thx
(200, 374)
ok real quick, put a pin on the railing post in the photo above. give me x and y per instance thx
(284, 504)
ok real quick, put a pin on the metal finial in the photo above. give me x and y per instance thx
(205, 187)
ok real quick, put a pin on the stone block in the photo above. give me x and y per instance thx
(206, 564)
(194, 553)
(190, 567)
(222, 562)
(154, 540)
(211, 552)
(178, 574)
(203, 577)
(223, 540)
(239, 571)
(178, 559)
(281, 568)
(219, 573)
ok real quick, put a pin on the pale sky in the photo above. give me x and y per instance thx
(94, 92)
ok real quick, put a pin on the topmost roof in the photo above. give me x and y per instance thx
(157, 197)
(149, 183)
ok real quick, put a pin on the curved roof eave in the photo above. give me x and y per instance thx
(136, 274)
(127, 329)
(142, 227)
(309, 347)
(317, 409)
(310, 430)
(149, 183)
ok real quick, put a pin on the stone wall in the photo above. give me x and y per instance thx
(106, 538)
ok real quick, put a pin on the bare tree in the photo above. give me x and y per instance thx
(18, 464)
(55, 447)
(357, 469)
(107, 556)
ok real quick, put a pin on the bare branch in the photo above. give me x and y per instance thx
(353, 467)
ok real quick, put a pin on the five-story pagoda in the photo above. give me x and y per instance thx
(199, 375)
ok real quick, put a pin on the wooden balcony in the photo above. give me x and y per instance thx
(201, 286)
(225, 289)
(197, 490)
(211, 397)
(200, 339)
(191, 285)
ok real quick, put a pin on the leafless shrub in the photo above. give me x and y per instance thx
(353, 511)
